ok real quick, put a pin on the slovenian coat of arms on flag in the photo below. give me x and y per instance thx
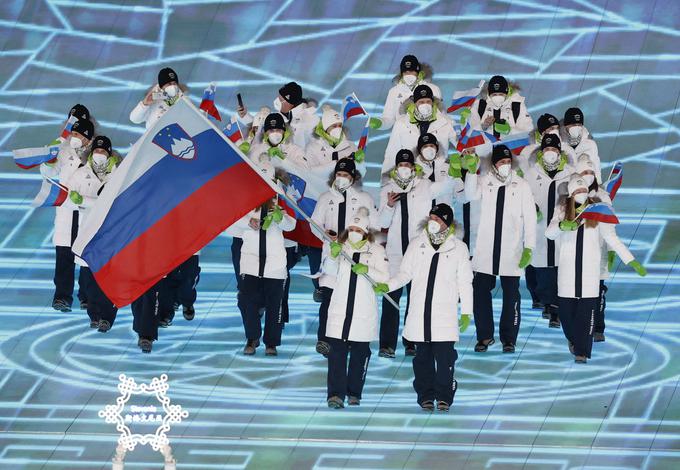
(352, 107)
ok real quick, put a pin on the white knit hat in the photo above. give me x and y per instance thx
(584, 163)
(576, 182)
(330, 117)
(360, 219)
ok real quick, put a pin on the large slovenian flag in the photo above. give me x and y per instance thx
(233, 130)
(66, 131)
(32, 157)
(51, 193)
(615, 179)
(352, 107)
(182, 184)
(601, 212)
(515, 142)
(208, 102)
(465, 98)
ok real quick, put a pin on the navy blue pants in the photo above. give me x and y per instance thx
(292, 258)
(259, 292)
(236, 244)
(145, 311)
(602, 303)
(344, 380)
(546, 285)
(433, 368)
(182, 282)
(482, 285)
(531, 278)
(99, 307)
(578, 322)
(389, 320)
(326, 294)
(313, 255)
(64, 276)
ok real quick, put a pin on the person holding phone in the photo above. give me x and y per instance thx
(159, 98)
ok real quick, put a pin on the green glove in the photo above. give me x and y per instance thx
(244, 147)
(374, 123)
(526, 258)
(266, 222)
(568, 225)
(611, 257)
(277, 214)
(359, 268)
(464, 115)
(336, 248)
(635, 264)
(381, 288)
(359, 156)
(76, 197)
(539, 216)
(455, 166)
(470, 162)
(501, 127)
(464, 322)
(276, 152)
(519, 172)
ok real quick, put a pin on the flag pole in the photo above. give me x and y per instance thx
(292, 203)
(55, 183)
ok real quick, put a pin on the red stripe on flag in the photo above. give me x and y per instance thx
(190, 226)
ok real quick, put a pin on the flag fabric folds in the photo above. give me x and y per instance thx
(613, 184)
(51, 194)
(601, 212)
(233, 130)
(363, 140)
(352, 107)
(66, 131)
(208, 102)
(181, 185)
(32, 157)
(465, 98)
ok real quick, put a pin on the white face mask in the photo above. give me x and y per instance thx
(504, 170)
(404, 172)
(342, 182)
(275, 138)
(550, 157)
(75, 143)
(171, 90)
(355, 237)
(336, 132)
(497, 100)
(429, 153)
(99, 159)
(410, 80)
(575, 132)
(425, 109)
(277, 104)
(433, 226)
(588, 179)
(580, 198)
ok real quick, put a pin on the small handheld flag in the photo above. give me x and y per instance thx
(516, 142)
(465, 98)
(208, 102)
(615, 179)
(601, 212)
(66, 131)
(51, 194)
(469, 138)
(233, 131)
(363, 140)
(31, 157)
(352, 107)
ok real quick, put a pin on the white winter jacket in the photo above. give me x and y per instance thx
(397, 96)
(515, 219)
(358, 320)
(586, 146)
(152, 113)
(452, 282)
(581, 255)
(523, 123)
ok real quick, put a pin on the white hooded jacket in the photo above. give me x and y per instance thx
(397, 96)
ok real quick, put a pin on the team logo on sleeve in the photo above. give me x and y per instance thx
(174, 140)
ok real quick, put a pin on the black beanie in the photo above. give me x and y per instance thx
(274, 121)
(84, 128)
(444, 212)
(409, 64)
(427, 139)
(291, 92)
(422, 91)
(102, 142)
(499, 153)
(545, 121)
(346, 164)
(498, 84)
(80, 112)
(166, 76)
(550, 140)
(404, 155)
(573, 116)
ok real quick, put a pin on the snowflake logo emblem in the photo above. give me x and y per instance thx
(173, 414)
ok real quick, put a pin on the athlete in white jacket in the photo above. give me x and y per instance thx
(437, 265)
(546, 124)
(412, 73)
(578, 280)
(263, 274)
(158, 99)
(405, 200)
(353, 311)
(502, 111)
(423, 116)
(333, 212)
(85, 185)
(505, 241)
(575, 133)
(66, 217)
(547, 172)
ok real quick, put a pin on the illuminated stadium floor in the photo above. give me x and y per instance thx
(535, 409)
